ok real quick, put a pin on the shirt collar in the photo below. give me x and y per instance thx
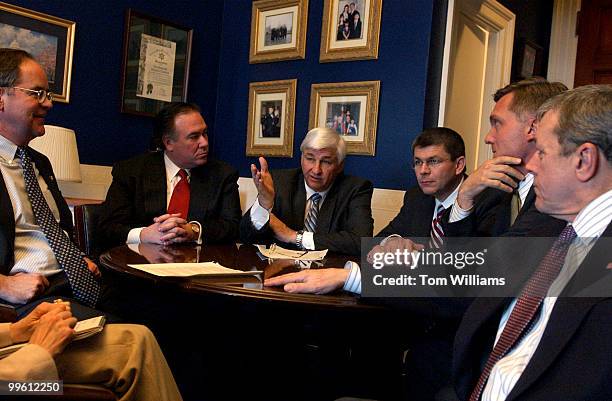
(450, 199)
(7, 149)
(172, 169)
(310, 192)
(593, 219)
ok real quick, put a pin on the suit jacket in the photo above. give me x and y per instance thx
(344, 217)
(491, 217)
(414, 218)
(572, 361)
(138, 194)
(7, 215)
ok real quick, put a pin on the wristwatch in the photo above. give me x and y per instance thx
(195, 227)
(298, 239)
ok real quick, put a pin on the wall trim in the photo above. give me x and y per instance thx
(563, 42)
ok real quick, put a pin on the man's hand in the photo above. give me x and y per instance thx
(316, 281)
(393, 244)
(281, 231)
(264, 184)
(92, 267)
(22, 287)
(168, 229)
(54, 331)
(22, 330)
(494, 173)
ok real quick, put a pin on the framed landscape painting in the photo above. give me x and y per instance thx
(270, 126)
(278, 30)
(349, 108)
(49, 39)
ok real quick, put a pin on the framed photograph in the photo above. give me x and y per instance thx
(156, 56)
(271, 118)
(278, 30)
(350, 108)
(350, 30)
(49, 39)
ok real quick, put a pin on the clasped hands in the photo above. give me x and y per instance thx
(265, 195)
(168, 229)
(50, 326)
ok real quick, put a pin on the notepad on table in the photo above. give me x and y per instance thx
(191, 269)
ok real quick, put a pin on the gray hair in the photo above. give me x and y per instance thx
(584, 115)
(323, 138)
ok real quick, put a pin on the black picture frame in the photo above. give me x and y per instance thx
(136, 24)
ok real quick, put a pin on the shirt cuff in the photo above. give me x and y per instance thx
(384, 241)
(199, 240)
(134, 236)
(353, 281)
(458, 213)
(308, 241)
(259, 215)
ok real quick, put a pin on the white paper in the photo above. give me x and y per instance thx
(156, 68)
(191, 269)
(277, 252)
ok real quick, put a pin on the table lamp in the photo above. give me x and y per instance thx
(60, 146)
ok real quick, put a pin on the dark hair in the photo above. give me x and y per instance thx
(10, 61)
(163, 126)
(450, 139)
(529, 95)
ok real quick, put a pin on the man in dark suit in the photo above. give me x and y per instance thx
(178, 195)
(499, 192)
(560, 350)
(35, 222)
(315, 207)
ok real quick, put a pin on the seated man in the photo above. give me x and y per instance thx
(37, 256)
(315, 207)
(124, 358)
(174, 196)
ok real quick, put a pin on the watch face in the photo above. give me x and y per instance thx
(195, 228)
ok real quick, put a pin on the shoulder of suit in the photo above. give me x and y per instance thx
(352, 181)
(217, 166)
(144, 160)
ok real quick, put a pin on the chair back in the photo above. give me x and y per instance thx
(86, 219)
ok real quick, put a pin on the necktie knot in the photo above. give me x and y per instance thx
(21, 153)
(568, 235)
(440, 211)
(315, 198)
(183, 174)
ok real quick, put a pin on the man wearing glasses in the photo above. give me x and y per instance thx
(37, 257)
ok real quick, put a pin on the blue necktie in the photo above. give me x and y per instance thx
(85, 287)
(310, 223)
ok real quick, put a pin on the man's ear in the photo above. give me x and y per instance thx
(2, 93)
(531, 129)
(587, 161)
(167, 142)
(459, 165)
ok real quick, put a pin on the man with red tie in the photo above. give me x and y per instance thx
(175, 195)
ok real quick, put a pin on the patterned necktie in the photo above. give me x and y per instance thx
(179, 201)
(515, 206)
(527, 305)
(310, 223)
(85, 287)
(437, 234)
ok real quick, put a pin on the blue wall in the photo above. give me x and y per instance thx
(104, 134)
(401, 67)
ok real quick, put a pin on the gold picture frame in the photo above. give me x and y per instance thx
(278, 30)
(351, 30)
(54, 44)
(351, 108)
(270, 126)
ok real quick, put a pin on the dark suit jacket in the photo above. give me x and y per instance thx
(7, 215)
(344, 217)
(414, 218)
(138, 194)
(572, 361)
(491, 217)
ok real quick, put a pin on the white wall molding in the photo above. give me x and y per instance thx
(563, 42)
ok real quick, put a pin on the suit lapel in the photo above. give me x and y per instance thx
(326, 212)
(7, 224)
(298, 203)
(199, 193)
(154, 186)
(529, 200)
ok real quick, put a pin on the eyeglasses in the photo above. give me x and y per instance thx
(430, 163)
(39, 94)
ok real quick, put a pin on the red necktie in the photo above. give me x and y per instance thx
(179, 202)
(527, 305)
(437, 234)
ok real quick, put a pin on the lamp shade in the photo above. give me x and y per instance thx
(60, 146)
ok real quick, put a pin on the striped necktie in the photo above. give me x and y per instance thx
(85, 287)
(437, 234)
(310, 223)
(527, 305)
